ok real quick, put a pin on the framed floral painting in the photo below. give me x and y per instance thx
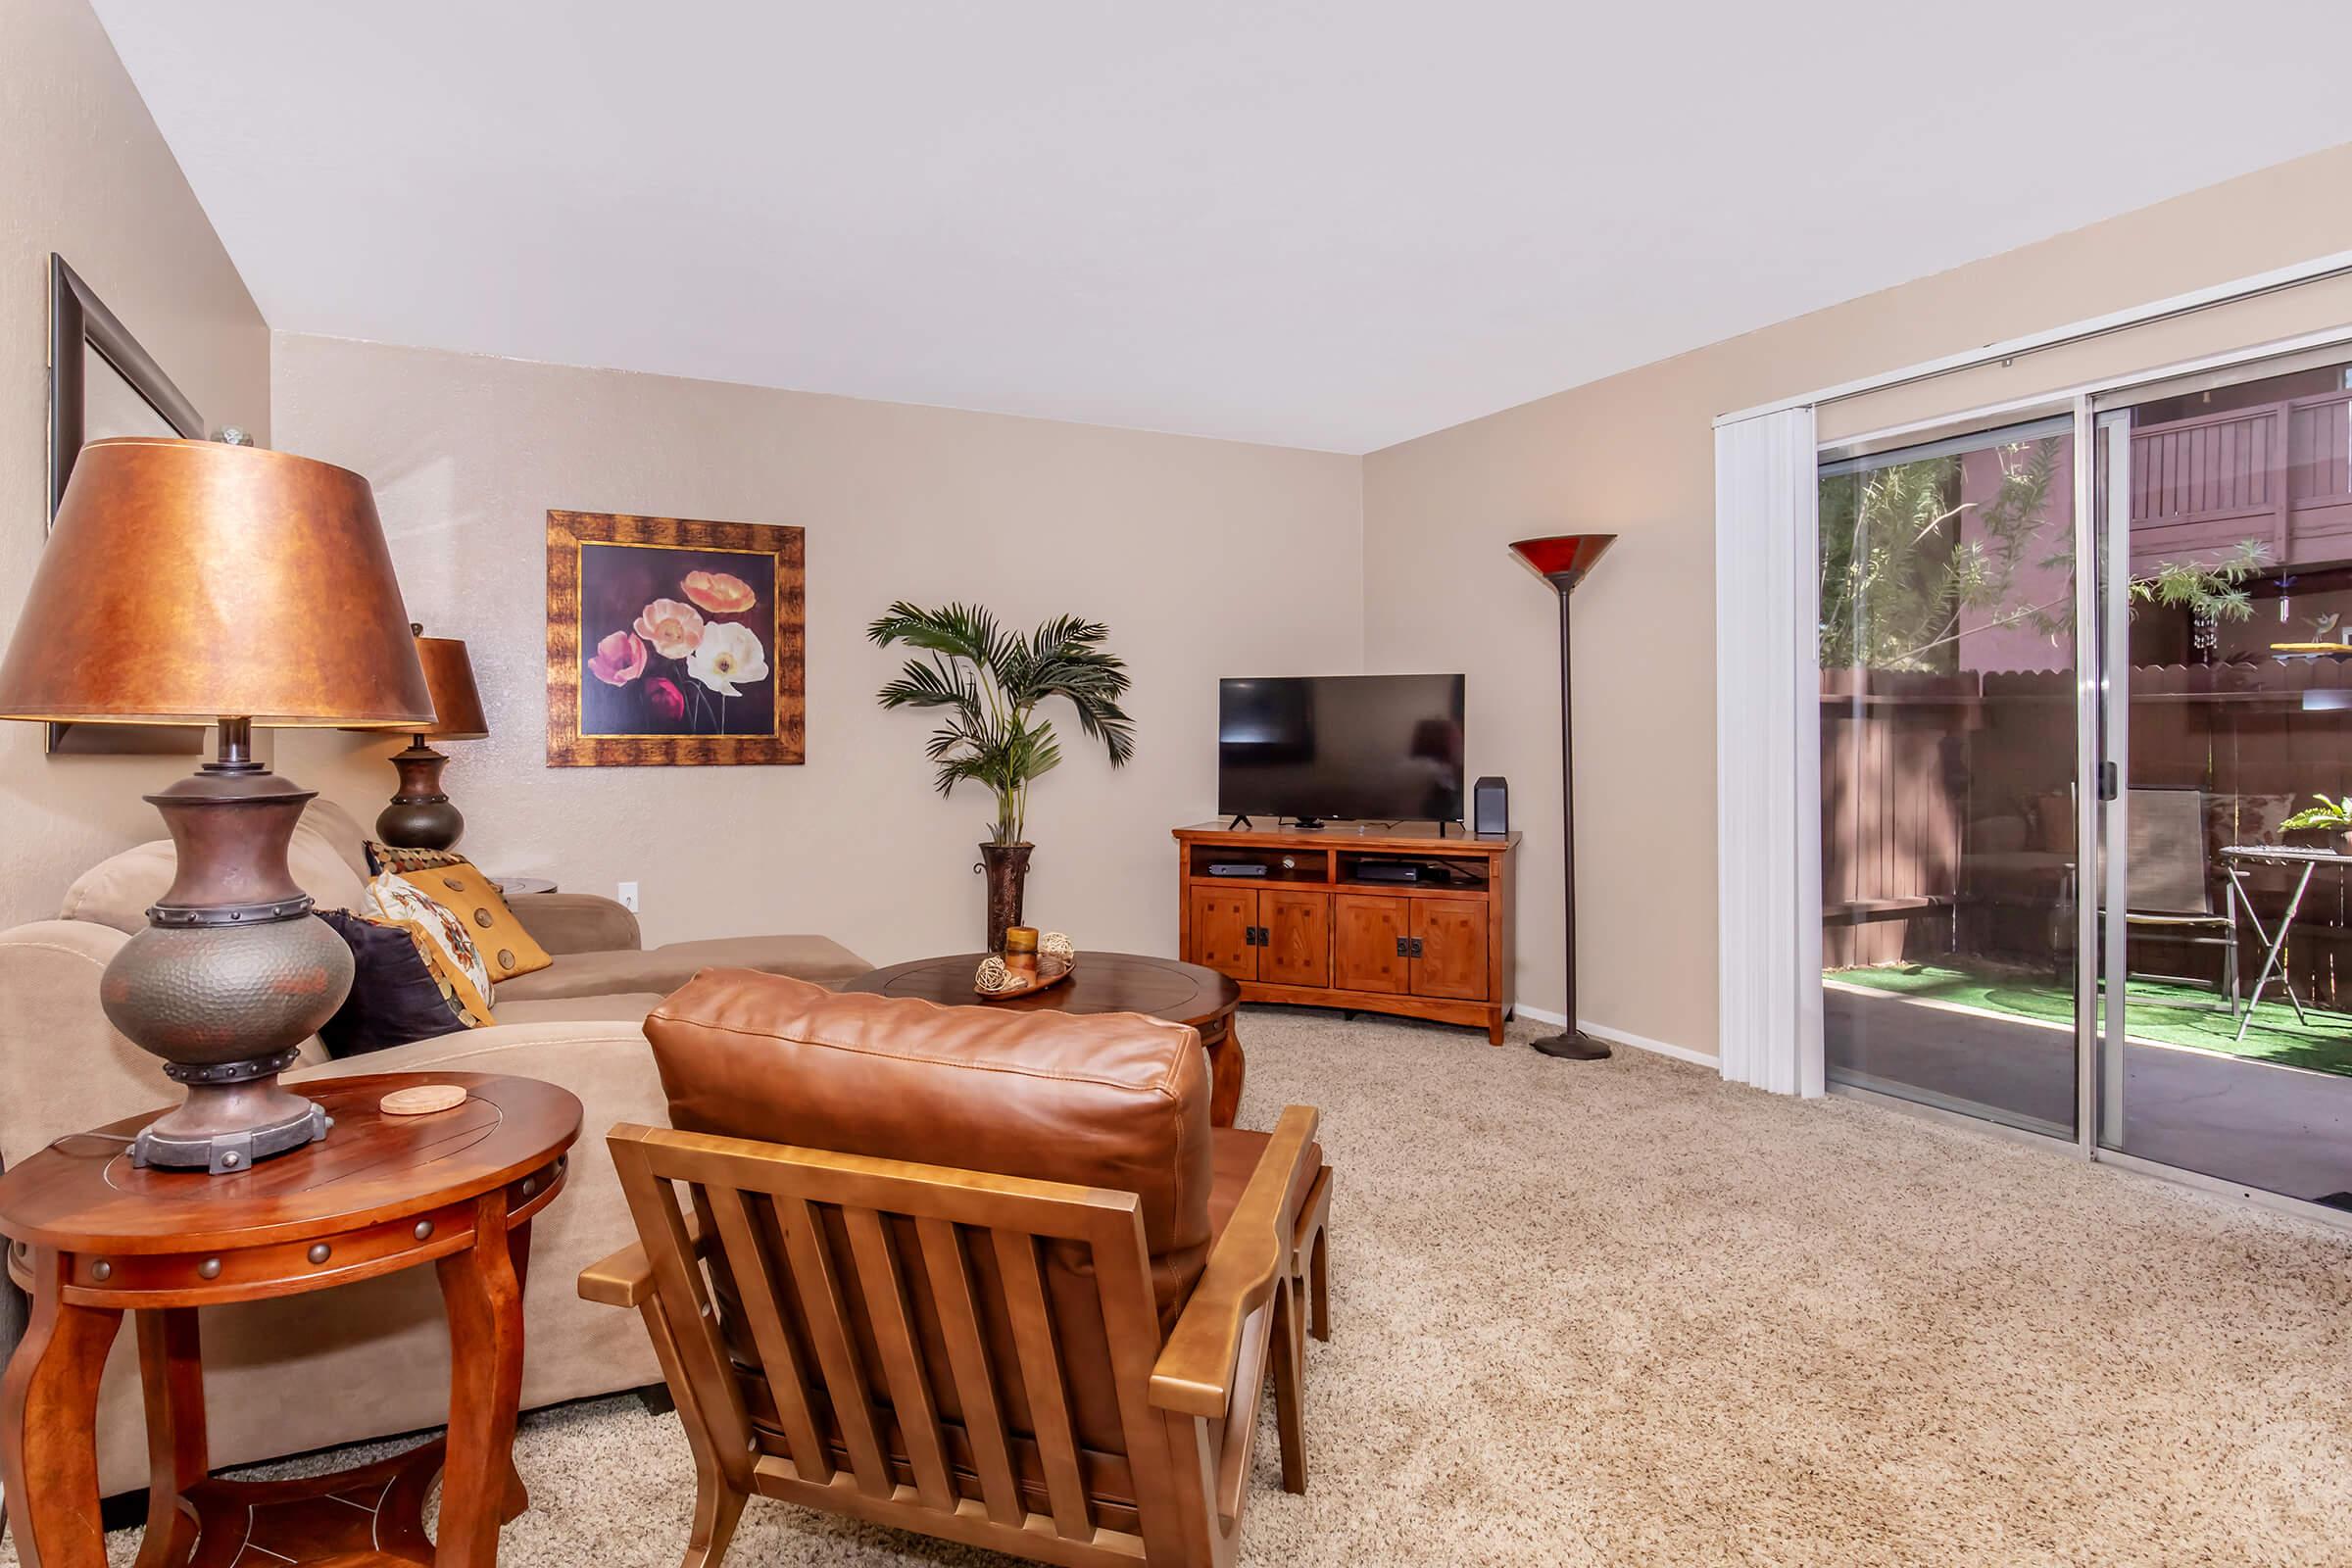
(672, 642)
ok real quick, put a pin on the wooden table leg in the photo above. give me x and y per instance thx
(1226, 1069)
(178, 1451)
(48, 1426)
(484, 1302)
(518, 1249)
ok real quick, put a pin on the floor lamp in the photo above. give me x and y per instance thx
(1562, 562)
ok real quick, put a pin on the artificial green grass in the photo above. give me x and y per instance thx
(2325, 1046)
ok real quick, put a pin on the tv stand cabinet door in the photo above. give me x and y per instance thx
(1450, 959)
(1367, 934)
(1298, 943)
(1221, 925)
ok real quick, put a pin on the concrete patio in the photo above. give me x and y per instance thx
(2256, 1123)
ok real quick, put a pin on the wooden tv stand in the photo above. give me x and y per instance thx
(1316, 932)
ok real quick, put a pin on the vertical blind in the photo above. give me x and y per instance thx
(1767, 754)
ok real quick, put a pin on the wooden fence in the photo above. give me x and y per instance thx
(1946, 802)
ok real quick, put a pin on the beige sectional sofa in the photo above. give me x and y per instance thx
(372, 1359)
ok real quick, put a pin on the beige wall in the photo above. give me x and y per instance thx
(1204, 557)
(1634, 455)
(84, 172)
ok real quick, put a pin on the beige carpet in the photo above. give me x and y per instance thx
(1623, 1314)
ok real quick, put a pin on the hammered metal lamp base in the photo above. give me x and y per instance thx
(230, 974)
(235, 1115)
(224, 1152)
(420, 816)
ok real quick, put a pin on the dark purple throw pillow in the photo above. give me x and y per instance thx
(394, 997)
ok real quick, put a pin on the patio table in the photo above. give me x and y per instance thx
(2239, 859)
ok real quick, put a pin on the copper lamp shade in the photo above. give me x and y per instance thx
(192, 581)
(420, 816)
(449, 676)
(1563, 560)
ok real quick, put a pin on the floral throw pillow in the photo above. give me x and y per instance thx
(441, 938)
(405, 859)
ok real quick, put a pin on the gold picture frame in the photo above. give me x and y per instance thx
(675, 642)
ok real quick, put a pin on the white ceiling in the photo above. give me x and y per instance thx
(1328, 226)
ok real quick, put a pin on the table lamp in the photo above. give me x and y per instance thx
(420, 816)
(1562, 562)
(194, 582)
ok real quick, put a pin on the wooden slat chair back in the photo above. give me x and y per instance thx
(899, 1343)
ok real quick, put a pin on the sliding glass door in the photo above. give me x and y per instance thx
(2086, 843)
(2225, 508)
(1950, 873)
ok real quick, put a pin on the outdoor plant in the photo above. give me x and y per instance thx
(2333, 816)
(1897, 572)
(2210, 593)
(989, 682)
(1903, 558)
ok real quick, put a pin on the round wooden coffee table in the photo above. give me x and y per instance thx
(95, 1236)
(1106, 982)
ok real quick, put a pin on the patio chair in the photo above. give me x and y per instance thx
(2168, 887)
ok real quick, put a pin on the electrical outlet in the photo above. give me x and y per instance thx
(629, 897)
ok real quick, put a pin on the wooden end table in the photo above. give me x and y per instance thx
(1106, 982)
(95, 1236)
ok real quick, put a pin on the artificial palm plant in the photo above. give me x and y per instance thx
(990, 682)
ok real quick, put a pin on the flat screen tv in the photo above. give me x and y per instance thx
(1363, 748)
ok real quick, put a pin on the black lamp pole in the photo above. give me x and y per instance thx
(1563, 561)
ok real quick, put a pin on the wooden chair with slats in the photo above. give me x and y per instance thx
(835, 1330)
(1303, 1308)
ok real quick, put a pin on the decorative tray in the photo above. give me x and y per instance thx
(1052, 970)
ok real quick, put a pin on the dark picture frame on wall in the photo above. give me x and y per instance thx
(103, 383)
(673, 642)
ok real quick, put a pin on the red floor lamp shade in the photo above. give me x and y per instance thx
(1563, 560)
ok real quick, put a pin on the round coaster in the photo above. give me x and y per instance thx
(421, 1100)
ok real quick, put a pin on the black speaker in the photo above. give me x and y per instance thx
(1490, 806)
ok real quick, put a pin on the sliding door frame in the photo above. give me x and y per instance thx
(2094, 758)
(2102, 1049)
(2102, 716)
(2068, 405)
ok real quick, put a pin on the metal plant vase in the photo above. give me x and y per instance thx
(1006, 868)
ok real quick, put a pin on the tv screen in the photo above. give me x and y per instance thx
(1377, 748)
